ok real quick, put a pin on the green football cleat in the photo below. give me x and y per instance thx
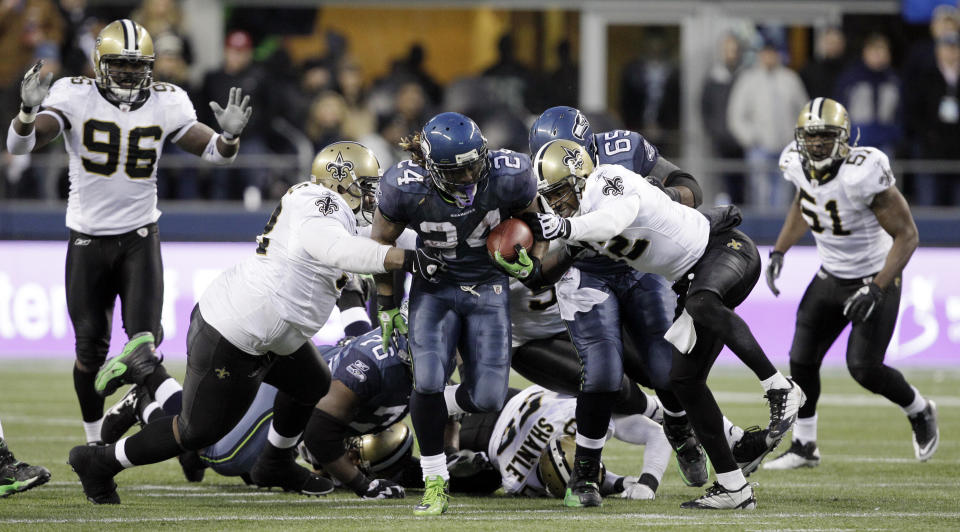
(435, 497)
(582, 488)
(17, 476)
(132, 366)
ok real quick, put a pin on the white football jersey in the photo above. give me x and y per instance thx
(114, 152)
(533, 315)
(280, 297)
(850, 241)
(526, 424)
(666, 238)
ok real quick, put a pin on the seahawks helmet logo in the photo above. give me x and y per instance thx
(580, 126)
(613, 187)
(573, 159)
(327, 205)
(340, 169)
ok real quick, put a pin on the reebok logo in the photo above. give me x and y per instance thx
(82, 242)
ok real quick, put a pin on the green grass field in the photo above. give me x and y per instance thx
(868, 478)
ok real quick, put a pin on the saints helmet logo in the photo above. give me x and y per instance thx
(340, 169)
(580, 126)
(573, 159)
(327, 205)
(613, 186)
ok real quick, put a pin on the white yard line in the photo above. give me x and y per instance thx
(832, 399)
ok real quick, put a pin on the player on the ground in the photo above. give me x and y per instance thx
(17, 476)
(647, 294)
(114, 127)
(865, 235)
(616, 213)
(451, 192)
(254, 324)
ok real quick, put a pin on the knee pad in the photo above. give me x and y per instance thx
(92, 352)
(870, 377)
(482, 400)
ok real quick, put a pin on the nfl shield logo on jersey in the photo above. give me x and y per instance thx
(497, 289)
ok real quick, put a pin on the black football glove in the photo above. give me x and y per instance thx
(424, 262)
(671, 192)
(773, 271)
(383, 489)
(547, 226)
(466, 463)
(859, 306)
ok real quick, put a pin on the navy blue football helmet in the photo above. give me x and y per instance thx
(456, 156)
(562, 122)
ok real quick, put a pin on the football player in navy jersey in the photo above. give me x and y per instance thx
(451, 192)
(648, 295)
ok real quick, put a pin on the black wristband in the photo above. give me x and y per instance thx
(408, 257)
(775, 252)
(359, 484)
(385, 301)
(29, 110)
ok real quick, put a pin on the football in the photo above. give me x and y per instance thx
(508, 234)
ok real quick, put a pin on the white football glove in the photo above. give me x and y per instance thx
(547, 226)
(234, 118)
(34, 88)
(636, 491)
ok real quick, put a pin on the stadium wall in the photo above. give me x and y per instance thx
(34, 321)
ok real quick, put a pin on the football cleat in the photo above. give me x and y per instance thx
(132, 366)
(926, 433)
(17, 476)
(90, 463)
(277, 468)
(193, 467)
(123, 415)
(719, 498)
(436, 497)
(797, 456)
(752, 448)
(691, 459)
(784, 405)
(582, 488)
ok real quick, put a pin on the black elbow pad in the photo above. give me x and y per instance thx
(679, 178)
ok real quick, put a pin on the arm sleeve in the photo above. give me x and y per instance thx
(604, 224)
(326, 240)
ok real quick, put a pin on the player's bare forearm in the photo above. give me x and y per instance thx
(45, 126)
(386, 232)
(687, 187)
(894, 216)
(196, 138)
(555, 264)
(686, 196)
(794, 227)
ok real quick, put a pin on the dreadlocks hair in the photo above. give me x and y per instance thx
(411, 144)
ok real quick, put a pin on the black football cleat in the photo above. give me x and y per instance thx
(277, 468)
(17, 476)
(91, 464)
(123, 415)
(583, 488)
(133, 365)
(752, 448)
(926, 433)
(193, 466)
(691, 459)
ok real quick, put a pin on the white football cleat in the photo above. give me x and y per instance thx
(797, 456)
(719, 498)
(784, 405)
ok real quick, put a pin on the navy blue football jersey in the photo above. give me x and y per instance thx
(630, 150)
(381, 381)
(407, 197)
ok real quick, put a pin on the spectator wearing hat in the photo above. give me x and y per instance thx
(761, 114)
(239, 70)
(871, 91)
(933, 111)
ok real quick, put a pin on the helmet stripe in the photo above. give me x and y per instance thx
(817, 108)
(128, 40)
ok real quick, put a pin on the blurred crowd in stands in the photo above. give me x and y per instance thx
(749, 102)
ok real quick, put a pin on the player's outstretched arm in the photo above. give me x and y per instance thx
(794, 227)
(388, 313)
(30, 130)
(221, 149)
(893, 213)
